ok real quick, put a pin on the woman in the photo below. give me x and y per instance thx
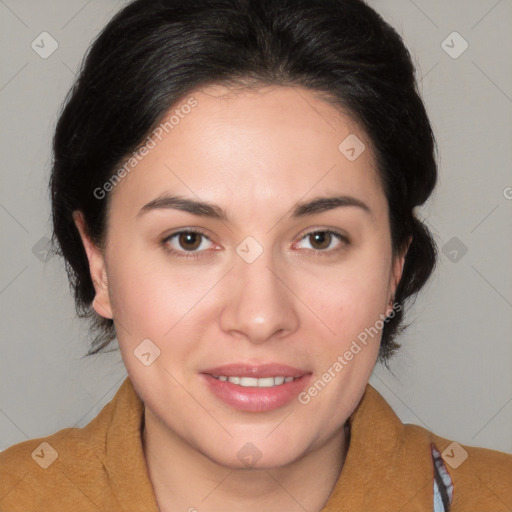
(233, 188)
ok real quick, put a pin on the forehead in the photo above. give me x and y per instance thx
(275, 145)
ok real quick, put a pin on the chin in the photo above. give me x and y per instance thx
(255, 455)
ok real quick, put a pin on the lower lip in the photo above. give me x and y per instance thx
(256, 399)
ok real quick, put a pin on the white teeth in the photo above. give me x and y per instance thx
(264, 382)
(247, 381)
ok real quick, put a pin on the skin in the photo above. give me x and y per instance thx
(255, 154)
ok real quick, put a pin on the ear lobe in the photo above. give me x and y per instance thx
(398, 269)
(97, 269)
(399, 265)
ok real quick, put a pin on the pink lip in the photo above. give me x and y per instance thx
(252, 398)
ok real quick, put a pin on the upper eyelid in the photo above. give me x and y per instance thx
(342, 237)
(191, 230)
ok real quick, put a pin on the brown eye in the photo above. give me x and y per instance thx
(186, 243)
(189, 240)
(322, 241)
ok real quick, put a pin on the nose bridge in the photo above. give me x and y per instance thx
(259, 304)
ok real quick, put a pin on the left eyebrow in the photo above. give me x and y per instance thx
(213, 211)
(322, 204)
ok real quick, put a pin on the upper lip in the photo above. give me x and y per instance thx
(257, 371)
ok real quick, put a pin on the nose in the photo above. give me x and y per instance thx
(260, 304)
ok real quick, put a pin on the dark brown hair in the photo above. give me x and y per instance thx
(154, 53)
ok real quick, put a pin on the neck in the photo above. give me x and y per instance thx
(185, 480)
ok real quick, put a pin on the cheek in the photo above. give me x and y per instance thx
(154, 298)
(350, 296)
(149, 305)
(144, 299)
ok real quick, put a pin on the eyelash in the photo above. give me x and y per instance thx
(197, 254)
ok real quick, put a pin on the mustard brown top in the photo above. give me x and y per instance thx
(389, 466)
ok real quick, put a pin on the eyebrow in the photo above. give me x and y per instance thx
(213, 211)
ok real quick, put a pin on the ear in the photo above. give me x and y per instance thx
(101, 302)
(398, 268)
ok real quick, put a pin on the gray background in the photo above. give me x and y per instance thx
(453, 375)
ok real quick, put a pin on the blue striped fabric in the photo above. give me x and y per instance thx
(443, 485)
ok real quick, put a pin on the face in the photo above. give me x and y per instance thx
(255, 287)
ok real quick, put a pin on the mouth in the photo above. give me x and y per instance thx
(263, 382)
(256, 388)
